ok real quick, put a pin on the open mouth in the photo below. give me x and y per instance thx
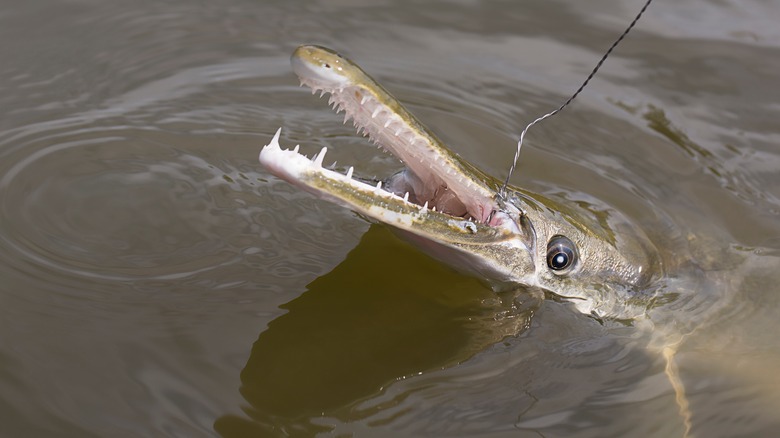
(437, 189)
(377, 202)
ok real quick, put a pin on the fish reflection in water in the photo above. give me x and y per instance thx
(362, 326)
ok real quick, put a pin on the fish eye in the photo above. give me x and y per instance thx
(561, 254)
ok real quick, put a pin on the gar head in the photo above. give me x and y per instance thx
(575, 249)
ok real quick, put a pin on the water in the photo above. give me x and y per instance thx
(157, 282)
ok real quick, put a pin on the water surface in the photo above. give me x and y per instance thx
(155, 281)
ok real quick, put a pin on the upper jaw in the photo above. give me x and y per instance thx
(441, 178)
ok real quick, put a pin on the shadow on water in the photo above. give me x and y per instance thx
(384, 313)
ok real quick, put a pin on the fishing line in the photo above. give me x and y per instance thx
(502, 191)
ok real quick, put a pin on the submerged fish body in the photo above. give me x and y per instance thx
(583, 252)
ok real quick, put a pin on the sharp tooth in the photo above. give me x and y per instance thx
(434, 208)
(379, 185)
(297, 146)
(376, 111)
(349, 172)
(318, 158)
(425, 206)
(313, 90)
(406, 197)
(322, 93)
(346, 117)
(331, 99)
(397, 132)
(387, 123)
(363, 100)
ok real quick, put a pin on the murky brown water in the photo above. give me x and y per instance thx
(155, 281)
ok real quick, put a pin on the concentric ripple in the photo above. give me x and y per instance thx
(112, 204)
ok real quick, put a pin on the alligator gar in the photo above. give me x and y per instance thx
(579, 251)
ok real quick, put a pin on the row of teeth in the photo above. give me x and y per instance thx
(401, 130)
(318, 159)
(338, 106)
